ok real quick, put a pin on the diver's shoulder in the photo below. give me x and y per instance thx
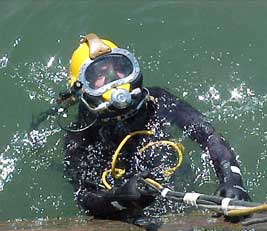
(165, 96)
(158, 91)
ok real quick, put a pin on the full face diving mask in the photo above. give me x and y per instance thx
(110, 77)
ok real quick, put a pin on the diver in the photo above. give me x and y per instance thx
(113, 103)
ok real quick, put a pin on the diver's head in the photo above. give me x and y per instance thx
(110, 76)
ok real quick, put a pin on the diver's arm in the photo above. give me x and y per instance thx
(95, 200)
(199, 129)
(99, 203)
(110, 203)
(221, 154)
(93, 197)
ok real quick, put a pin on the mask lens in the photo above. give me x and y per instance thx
(108, 69)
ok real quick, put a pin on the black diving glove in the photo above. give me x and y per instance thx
(235, 191)
(134, 194)
(232, 187)
(232, 190)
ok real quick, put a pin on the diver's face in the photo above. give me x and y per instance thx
(100, 81)
(107, 72)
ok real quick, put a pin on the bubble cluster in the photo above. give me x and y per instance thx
(40, 80)
(3, 61)
(22, 148)
(7, 166)
(31, 155)
(216, 83)
(235, 101)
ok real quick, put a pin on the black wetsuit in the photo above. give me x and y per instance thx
(89, 153)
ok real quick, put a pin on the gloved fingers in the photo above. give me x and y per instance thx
(236, 192)
(242, 193)
(234, 219)
(144, 174)
(136, 187)
(231, 194)
(232, 191)
(220, 192)
(145, 189)
(130, 186)
(148, 192)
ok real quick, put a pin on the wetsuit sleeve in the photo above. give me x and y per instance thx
(199, 129)
(94, 200)
(99, 203)
(92, 197)
(196, 125)
(222, 155)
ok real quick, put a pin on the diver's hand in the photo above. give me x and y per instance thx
(131, 195)
(231, 186)
(235, 191)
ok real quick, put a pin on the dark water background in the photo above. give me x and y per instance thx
(211, 53)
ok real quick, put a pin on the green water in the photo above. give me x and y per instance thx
(211, 53)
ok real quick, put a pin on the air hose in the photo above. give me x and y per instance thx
(227, 206)
(117, 173)
(65, 100)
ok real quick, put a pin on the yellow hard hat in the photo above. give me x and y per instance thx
(91, 47)
(110, 76)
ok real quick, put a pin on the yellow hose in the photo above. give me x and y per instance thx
(178, 148)
(247, 211)
(107, 172)
(117, 173)
(154, 183)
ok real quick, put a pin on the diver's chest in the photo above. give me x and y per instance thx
(132, 133)
(134, 149)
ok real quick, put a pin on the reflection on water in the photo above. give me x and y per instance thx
(41, 80)
(201, 53)
(3, 61)
(32, 149)
(31, 157)
(38, 80)
(7, 167)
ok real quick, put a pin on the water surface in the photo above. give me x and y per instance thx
(210, 53)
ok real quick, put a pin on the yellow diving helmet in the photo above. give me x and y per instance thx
(110, 76)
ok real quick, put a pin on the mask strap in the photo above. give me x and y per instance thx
(96, 46)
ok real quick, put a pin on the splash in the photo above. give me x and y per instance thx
(243, 104)
(3, 61)
(30, 154)
(21, 148)
(239, 101)
(40, 80)
(50, 61)
(7, 167)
